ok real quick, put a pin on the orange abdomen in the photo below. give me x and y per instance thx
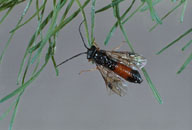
(127, 73)
(123, 71)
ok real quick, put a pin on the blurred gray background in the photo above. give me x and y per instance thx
(81, 102)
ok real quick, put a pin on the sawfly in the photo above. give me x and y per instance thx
(116, 67)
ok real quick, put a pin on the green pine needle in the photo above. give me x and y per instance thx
(92, 20)
(145, 8)
(25, 85)
(183, 11)
(188, 60)
(154, 90)
(166, 15)
(7, 111)
(113, 3)
(110, 34)
(10, 38)
(85, 22)
(173, 42)
(6, 14)
(153, 13)
(187, 45)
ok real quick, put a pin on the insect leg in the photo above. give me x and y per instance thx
(95, 44)
(89, 70)
(119, 46)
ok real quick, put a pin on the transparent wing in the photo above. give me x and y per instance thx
(133, 60)
(113, 82)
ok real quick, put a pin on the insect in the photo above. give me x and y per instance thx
(116, 67)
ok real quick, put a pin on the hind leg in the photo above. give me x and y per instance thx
(119, 46)
(89, 70)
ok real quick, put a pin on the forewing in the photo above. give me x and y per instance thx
(113, 82)
(133, 60)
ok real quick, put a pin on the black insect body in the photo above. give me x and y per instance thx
(100, 58)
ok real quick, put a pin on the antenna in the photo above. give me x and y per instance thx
(79, 53)
(82, 35)
(71, 58)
